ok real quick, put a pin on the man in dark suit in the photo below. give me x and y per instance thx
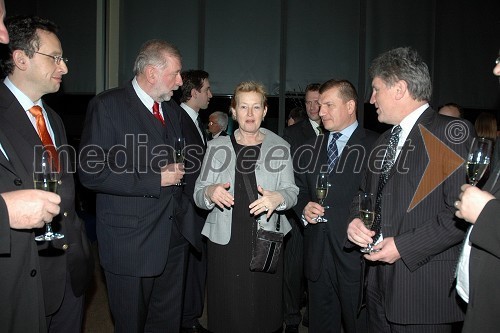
(410, 278)
(35, 67)
(333, 272)
(127, 158)
(196, 95)
(217, 124)
(294, 282)
(482, 208)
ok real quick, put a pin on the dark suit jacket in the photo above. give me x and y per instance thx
(195, 151)
(345, 180)
(298, 133)
(484, 267)
(419, 286)
(18, 258)
(134, 213)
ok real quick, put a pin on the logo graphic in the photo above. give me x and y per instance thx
(443, 162)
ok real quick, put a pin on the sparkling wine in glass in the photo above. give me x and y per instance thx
(321, 192)
(180, 145)
(478, 159)
(46, 178)
(367, 214)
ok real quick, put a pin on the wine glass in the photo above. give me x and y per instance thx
(179, 146)
(46, 177)
(367, 214)
(321, 192)
(478, 159)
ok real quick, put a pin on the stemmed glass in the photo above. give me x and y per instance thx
(180, 145)
(478, 159)
(367, 214)
(46, 177)
(321, 192)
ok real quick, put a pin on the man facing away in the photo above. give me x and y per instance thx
(127, 158)
(54, 302)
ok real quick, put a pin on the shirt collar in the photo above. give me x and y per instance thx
(24, 100)
(409, 121)
(192, 113)
(143, 96)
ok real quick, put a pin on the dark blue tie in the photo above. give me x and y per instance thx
(333, 152)
(390, 157)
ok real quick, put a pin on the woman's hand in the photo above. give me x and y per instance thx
(268, 202)
(218, 194)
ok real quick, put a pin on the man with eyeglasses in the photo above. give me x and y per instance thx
(47, 279)
(217, 124)
(294, 282)
(481, 208)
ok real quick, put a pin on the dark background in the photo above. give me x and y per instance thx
(283, 44)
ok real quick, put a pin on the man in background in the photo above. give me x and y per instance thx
(294, 282)
(196, 96)
(35, 67)
(452, 110)
(217, 124)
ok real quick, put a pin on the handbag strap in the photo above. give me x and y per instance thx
(251, 192)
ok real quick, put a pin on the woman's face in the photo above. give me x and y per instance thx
(250, 111)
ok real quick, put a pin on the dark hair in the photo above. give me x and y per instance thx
(486, 125)
(347, 92)
(404, 63)
(312, 87)
(192, 79)
(297, 114)
(24, 36)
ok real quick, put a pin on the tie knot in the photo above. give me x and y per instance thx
(335, 136)
(156, 107)
(396, 130)
(36, 110)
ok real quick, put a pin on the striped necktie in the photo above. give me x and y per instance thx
(333, 152)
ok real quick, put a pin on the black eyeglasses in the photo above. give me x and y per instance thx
(57, 59)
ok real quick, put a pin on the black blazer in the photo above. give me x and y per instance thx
(72, 253)
(484, 269)
(419, 287)
(134, 213)
(344, 180)
(298, 133)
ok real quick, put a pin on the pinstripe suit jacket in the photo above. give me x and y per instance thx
(419, 287)
(134, 213)
(20, 264)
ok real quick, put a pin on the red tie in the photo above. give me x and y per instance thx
(156, 113)
(41, 127)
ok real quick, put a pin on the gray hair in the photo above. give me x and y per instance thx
(404, 63)
(153, 52)
(222, 119)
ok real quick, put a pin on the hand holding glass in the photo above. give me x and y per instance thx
(46, 177)
(367, 215)
(478, 159)
(321, 192)
(180, 145)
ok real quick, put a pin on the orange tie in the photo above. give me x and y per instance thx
(156, 113)
(41, 127)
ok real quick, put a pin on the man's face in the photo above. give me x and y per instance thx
(43, 75)
(312, 106)
(496, 70)
(213, 126)
(335, 113)
(383, 97)
(169, 79)
(4, 35)
(202, 97)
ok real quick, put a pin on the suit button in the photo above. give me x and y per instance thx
(170, 217)
(33, 273)
(65, 214)
(18, 182)
(59, 182)
(65, 246)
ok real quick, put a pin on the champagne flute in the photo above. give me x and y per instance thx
(180, 145)
(367, 214)
(46, 177)
(478, 159)
(321, 192)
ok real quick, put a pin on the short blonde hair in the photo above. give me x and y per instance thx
(249, 86)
